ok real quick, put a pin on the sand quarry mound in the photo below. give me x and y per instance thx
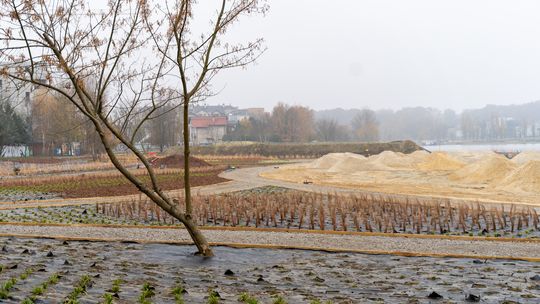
(471, 157)
(471, 176)
(525, 178)
(525, 157)
(350, 163)
(492, 168)
(398, 160)
(439, 161)
(326, 162)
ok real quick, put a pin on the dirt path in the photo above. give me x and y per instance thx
(252, 176)
(315, 241)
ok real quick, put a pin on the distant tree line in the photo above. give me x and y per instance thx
(301, 124)
(490, 123)
(288, 123)
(54, 123)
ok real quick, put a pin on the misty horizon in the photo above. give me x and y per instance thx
(389, 55)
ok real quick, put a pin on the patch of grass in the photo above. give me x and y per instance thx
(79, 289)
(26, 273)
(178, 293)
(147, 292)
(107, 298)
(6, 287)
(38, 290)
(279, 300)
(248, 299)
(116, 286)
(213, 297)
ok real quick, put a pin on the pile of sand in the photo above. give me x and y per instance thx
(493, 168)
(525, 178)
(351, 163)
(326, 162)
(525, 157)
(471, 157)
(419, 155)
(393, 160)
(439, 161)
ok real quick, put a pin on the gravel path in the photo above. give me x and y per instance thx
(355, 243)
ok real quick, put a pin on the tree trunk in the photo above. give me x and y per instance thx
(198, 238)
(196, 235)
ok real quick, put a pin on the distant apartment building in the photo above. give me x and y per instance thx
(237, 116)
(18, 93)
(207, 130)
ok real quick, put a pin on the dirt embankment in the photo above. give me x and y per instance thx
(177, 161)
(306, 150)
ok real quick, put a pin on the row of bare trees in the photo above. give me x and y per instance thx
(298, 124)
(109, 61)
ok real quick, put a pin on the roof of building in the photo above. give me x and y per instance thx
(208, 121)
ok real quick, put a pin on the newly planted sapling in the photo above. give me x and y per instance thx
(147, 292)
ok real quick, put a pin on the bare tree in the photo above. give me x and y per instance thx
(198, 56)
(366, 126)
(331, 130)
(100, 60)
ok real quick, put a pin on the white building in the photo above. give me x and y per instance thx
(18, 93)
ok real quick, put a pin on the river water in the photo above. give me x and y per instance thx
(486, 147)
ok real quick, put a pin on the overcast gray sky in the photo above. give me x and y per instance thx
(390, 54)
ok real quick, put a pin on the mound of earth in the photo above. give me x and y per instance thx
(327, 161)
(470, 157)
(396, 160)
(439, 161)
(177, 161)
(525, 178)
(350, 163)
(419, 155)
(525, 157)
(493, 168)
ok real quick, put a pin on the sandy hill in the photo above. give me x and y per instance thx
(393, 160)
(492, 168)
(525, 157)
(471, 157)
(326, 162)
(525, 178)
(440, 161)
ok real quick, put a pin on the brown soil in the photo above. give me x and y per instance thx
(89, 185)
(177, 161)
(167, 182)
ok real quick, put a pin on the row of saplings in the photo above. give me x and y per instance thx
(147, 291)
(373, 213)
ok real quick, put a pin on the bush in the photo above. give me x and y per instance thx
(306, 149)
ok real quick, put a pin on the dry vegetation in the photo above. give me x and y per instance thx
(39, 166)
(371, 213)
(305, 150)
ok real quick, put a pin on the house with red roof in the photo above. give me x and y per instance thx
(207, 130)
